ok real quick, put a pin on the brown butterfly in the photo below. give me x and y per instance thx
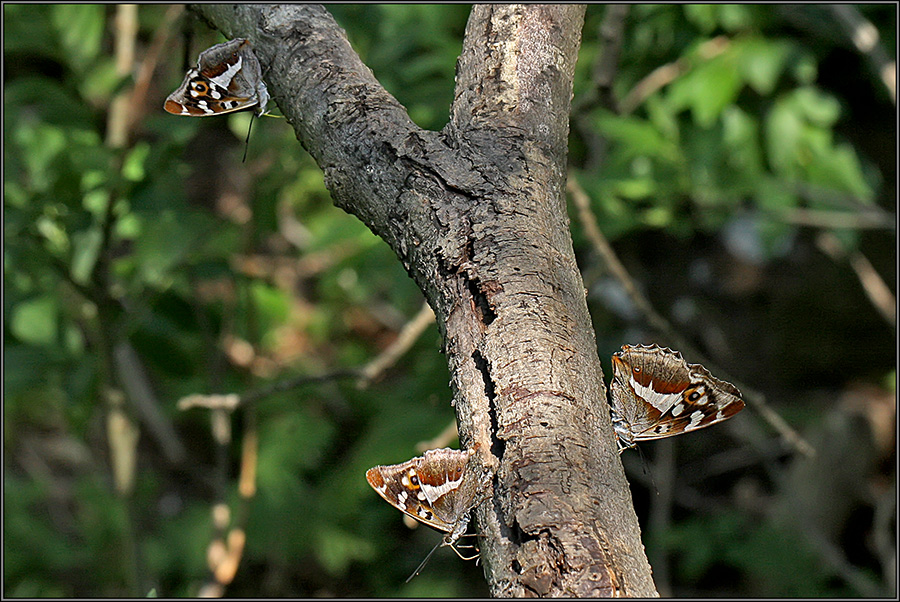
(655, 394)
(439, 489)
(228, 78)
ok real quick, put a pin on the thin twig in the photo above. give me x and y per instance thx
(443, 439)
(211, 402)
(610, 38)
(133, 376)
(732, 460)
(838, 199)
(408, 335)
(226, 548)
(292, 383)
(122, 430)
(611, 261)
(602, 247)
(865, 38)
(837, 560)
(874, 286)
(816, 218)
(126, 26)
(883, 538)
(612, 35)
(159, 45)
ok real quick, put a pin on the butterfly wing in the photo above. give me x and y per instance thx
(657, 394)
(637, 402)
(704, 402)
(386, 481)
(441, 479)
(228, 78)
(425, 488)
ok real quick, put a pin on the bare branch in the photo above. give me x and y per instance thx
(875, 219)
(666, 74)
(476, 213)
(612, 34)
(130, 370)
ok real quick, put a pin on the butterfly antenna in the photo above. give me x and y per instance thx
(646, 468)
(422, 564)
(247, 141)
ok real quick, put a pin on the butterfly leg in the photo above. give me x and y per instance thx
(458, 553)
(456, 547)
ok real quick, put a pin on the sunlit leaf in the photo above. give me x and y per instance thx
(80, 30)
(36, 321)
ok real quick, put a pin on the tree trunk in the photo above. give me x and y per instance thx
(477, 215)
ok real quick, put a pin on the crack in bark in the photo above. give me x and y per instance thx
(480, 300)
(484, 367)
(498, 446)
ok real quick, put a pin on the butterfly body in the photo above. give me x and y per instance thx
(228, 78)
(655, 393)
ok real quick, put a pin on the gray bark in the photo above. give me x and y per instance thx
(476, 213)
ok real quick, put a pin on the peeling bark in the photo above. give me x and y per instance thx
(477, 215)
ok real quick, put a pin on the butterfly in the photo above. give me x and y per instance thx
(228, 78)
(655, 393)
(439, 489)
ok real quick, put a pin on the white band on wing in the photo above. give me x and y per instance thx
(224, 79)
(660, 401)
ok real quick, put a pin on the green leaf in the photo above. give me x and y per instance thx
(817, 107)
(703, 16)
(801, 145)
(54, 102)
(41, 144)
(272, 305)
(26, 369)
(775, 194)
(708, 89)
(27, 30)
(167, 240)
(740, 134)
(85, 250)
(133, 167)
(36, 321)
(784, 128)
(102, 81)
(735, 17)
(637, 136)
(762, 62)
(80, 31)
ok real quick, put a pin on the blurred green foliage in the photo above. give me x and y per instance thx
(224, 277)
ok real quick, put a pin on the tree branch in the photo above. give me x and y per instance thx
(476, 213)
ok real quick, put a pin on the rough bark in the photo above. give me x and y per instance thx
(477, 215)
